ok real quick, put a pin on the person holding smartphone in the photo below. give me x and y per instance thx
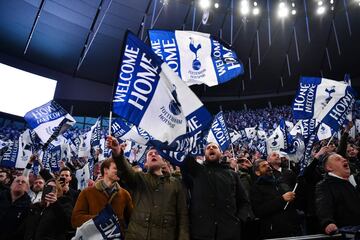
(65, 182)
(49, 218)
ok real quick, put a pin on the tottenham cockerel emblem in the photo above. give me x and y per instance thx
(196, 64)
(329, 91)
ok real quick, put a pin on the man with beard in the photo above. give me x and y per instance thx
(338, 195)
(35, 192)
(218, 202)
(160, 210)
(268, 198)
(5, 179)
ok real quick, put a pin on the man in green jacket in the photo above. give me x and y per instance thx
(160, 211)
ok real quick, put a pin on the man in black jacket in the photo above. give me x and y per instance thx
(338, 195)
(268, 198)
(14, 206)
(282, 174)
(218, 201)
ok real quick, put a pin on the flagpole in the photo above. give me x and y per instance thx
(296, 185)
(289, 164)
(332, 136)
(110, 117)
(232, 148)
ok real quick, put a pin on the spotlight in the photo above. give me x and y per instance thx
(320, 10)
(332, 8)
(255, 4)
(320, 3)
(204, 4)
(256, 11)
(331, 1)
(245, 9)
(293, 4)
(283, 10)
(293, 12)
(216, 5)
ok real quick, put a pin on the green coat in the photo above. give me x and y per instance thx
(160, 211)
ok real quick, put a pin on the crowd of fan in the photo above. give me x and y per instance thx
(266, 118)
(217, 196)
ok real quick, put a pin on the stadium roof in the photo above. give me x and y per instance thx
(83, 39)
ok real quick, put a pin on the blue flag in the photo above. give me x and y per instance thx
(305, 159)
(339, 110)
(104, 226)
(316, 96)
(51, 156)
(96, 133)
(280, 139)
(49, 121)
(126, 131)
(136, 153)
(9, 158)
(153, 98)
(194, 146)
(196, 57)
(219, 133)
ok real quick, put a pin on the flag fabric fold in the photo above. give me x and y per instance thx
(104, 226)
(151, 96)
(49, 121)
(219, 133)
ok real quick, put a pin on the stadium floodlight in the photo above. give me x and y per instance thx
(320, 10)
(283, 10)
(204, 4)
(293, 12)
(216, 5)
(256, 11)
(244, 7)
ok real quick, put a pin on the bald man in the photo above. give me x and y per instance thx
(338, 195)
(14, 206)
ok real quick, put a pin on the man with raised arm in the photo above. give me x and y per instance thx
(160, 211)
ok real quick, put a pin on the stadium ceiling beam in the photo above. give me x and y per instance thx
(93, 31)
(142, 26)
(153, 18)
(36, 21)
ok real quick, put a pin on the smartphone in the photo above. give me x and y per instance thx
(62, 180)
(47, 189)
